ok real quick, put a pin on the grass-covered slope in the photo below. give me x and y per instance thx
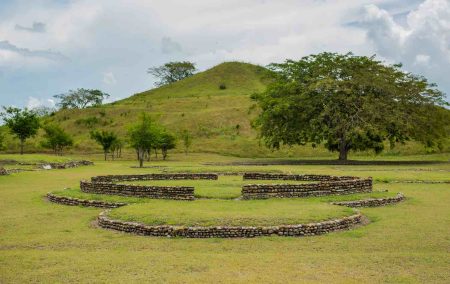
(218, 119)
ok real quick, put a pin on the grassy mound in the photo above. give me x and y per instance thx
(229, 213)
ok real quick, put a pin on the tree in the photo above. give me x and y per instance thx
(348, 103)
(172, 72)
(143, 138)
(116, 148)
(187, 140)
(166, 142)
(22, 123)
(56, 138)
(105, 138)
(81, 98)
(2, 139)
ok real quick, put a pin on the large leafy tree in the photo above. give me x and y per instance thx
(81, 98)
(106, 139)
(172, 72)
(22, 123)
(348, 103)
(56, 138)
(143, 138)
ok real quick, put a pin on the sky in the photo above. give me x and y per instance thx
(49, 47)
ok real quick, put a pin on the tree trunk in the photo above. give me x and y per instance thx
(22, 142)
(106, 153)
(156, 153)
(164, 153)
(141, 157)
(343, 150)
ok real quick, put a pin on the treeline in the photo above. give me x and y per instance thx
(145, 137)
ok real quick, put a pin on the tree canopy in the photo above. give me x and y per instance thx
(22, 123)
(143, 137)
(107, 139)
(81, 98)
(56, 138)
(172, 72)
(348, 103)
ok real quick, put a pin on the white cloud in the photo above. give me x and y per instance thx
(34, 103)
(423, 45)
(109, 78)
(106, 40)
(422, 59)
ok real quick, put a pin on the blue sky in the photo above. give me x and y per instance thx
(50, 47)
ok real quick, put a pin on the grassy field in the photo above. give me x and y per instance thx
(46, 242)
(229, 212)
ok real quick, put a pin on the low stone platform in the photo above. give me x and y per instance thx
(372, 202)
(299, 230)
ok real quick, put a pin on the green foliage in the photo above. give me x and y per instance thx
(166, 142)
(172, 72)
(143, 137)
(21, 123)
(222, 86)
(107, 139)
(80, 98)
(2, 139)
(349, 103)
(56, 138)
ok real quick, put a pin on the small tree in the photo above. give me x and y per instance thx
(143, 138)
(116, 148)
(22, 123)
(56, 138)
(81, 98)
(187, 140)
(105, 138)
(172, 72)
(166, 142)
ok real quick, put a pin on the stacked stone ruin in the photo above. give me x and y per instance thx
(108, 185)
(325, 185)
(310, 229)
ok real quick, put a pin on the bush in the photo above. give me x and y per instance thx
(88, 121)
(222, 86)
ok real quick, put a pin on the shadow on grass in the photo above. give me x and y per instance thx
(323, 162)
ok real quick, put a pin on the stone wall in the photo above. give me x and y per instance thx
(230, 232)
(372, 202)
(83, 202)
(175, 176)
(264, 191)
(65, 165)
(3, 172)
(276, 176)
(158, 192)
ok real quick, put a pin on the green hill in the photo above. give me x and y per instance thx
(218, 119)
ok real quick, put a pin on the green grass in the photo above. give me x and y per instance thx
(50, 243)
(230, 212)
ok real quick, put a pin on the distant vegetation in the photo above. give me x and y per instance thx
(172, 72)
(56, 138)
(23, 124)
(80, 98)
(146, 136)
